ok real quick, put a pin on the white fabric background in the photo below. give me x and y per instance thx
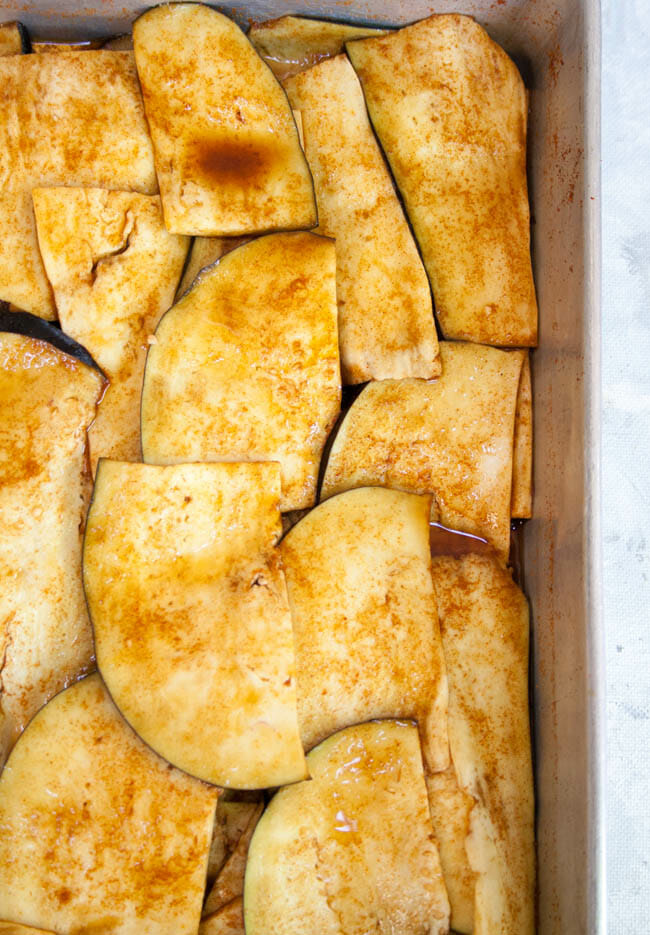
(626, 456)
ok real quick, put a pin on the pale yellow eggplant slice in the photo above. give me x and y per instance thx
(47, 401)
(74, 119)
(230, 882)
(449, 108)
(484, 625)
(228, 920)
(352, 850)
(98, 833)
(191, 620)
(204, 252)
(227, 152)
(114, 270)
(451, 809)
(13, 39)
(292, 44)
(452, 437)
(358, 571)
(53, 48)
(234, 811)
(522, 462)
(245, 367)
(386, 327)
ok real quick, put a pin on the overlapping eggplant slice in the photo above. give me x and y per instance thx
(386, 327)
(203, 253)
(358, 572)
(47, 402)
(234, 812)
(74, 119)
(114, 270)
(522, 459)
(229, 885)
(14, 39)
(452, 437)
(485, 632)
(245, 367)
(229, 920)
(292, 44)
(352, 850)
(14, 928)
(228, 157)
(191, 620)
(449, 108)
(98, 833)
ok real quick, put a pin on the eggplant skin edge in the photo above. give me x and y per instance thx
(34, 327)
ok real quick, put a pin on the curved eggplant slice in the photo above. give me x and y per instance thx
(485, 632)
(449, 108)
(358, 572)
(386, 326)
(230, 882)
(47, 402)
(292, 44)
(234, 811)
(228, 157)
(245, 367)
(351, 851)
(13, 928)
(31, 326)
(189, 609)
(114, 270)
(452, 437)
(98, 833)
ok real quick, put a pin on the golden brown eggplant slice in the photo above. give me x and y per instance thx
(386, 327)
(229, 920)
(114, 270)
(451, 809)
(234, 811)
(484, 624)
(358, 571)
(352, 850)
(53, 48)
(191, 619)
(246, 365)
(292, 44)
(227, 151)
(74, 119)
(522, 462)
(203, 253)
(449, 108)
(13, 928)
(230, 882)
(98, 833)
(452, 437)
(47, 401)
(14, 39)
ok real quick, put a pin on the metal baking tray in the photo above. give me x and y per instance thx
(556, 44)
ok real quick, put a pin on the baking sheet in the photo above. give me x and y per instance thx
(557, 47)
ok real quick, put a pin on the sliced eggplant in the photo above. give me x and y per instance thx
(292, 44)
(452, 437)
(386, 326)
(227, 151)
(352, 850)
(53, 48)
(73, 119)
(12, 928)
(449, 108)
(484, 625)
(121, 43)
(245, 367)
(98, 833)
(234, 811)
(14, 39)
(114, 270)
(203, 253)
(522, 462)
(230, 882)
(47, 401)
(451, 808)
(358, 571)
(226, 921)
(189, 609)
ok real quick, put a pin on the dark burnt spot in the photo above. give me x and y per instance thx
(233, 161)
(64, 896)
